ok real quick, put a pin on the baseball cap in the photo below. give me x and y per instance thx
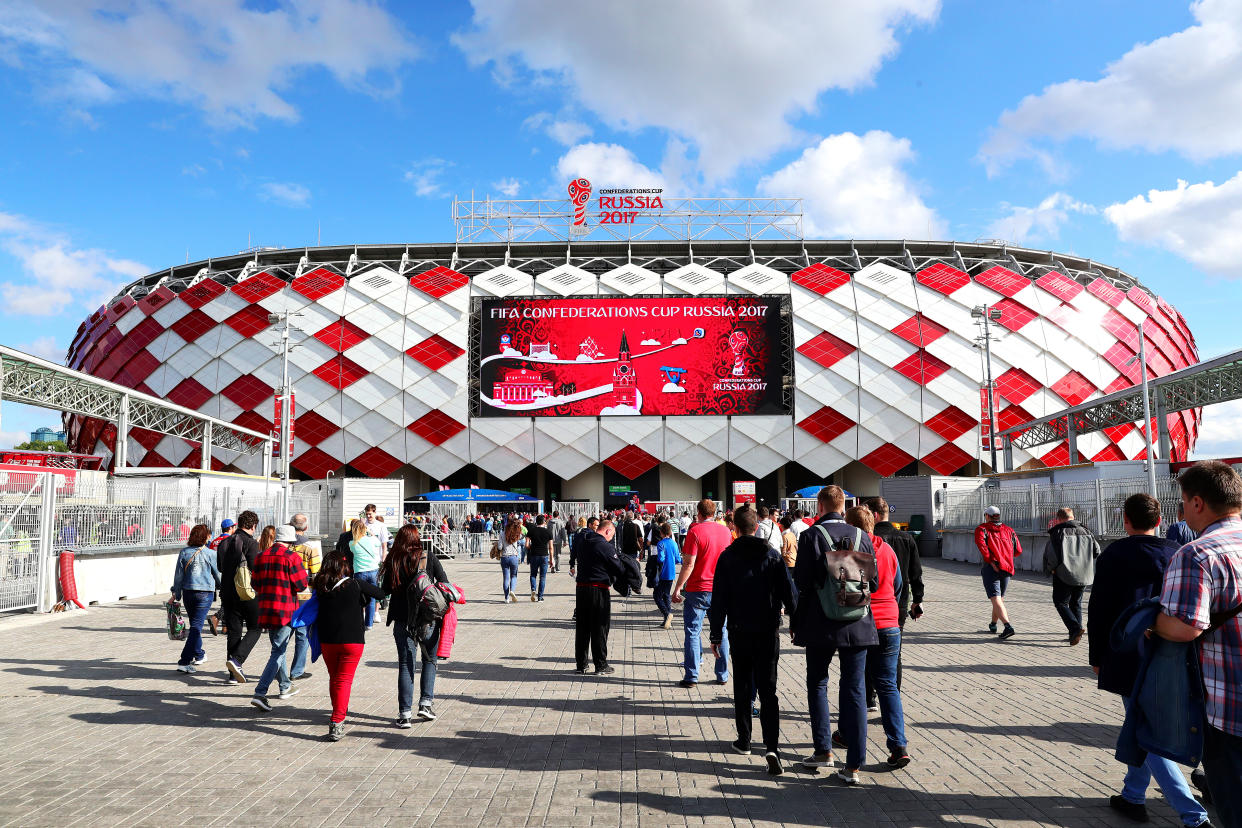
(991, 510)
(227, 523)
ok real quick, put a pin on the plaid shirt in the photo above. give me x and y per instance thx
(1205, 578)
(278, 577)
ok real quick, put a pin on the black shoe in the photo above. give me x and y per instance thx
(992, 628)
(606, 670)
(426, 713)
(837, 741)
(404, 723)
(738, 747)
(687, 683)
(1119, 803)
(775, 768)
(722, 681)
(580, 671)
(1008, 633)
(898, 758)
(300, 676)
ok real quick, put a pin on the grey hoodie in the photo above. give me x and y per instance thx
(1071, 553)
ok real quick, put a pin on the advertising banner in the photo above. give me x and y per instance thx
(743, 492)
(605, 356)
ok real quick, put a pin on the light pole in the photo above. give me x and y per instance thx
(986, 315)
(286, 399)
(1151, 457)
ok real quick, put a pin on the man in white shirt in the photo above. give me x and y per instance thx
(799, 525)
(376, 527)
(767, 530)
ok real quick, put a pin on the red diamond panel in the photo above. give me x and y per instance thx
(316, 463)
(952, 423)
(1117, 356)
(119, 308)
(1122, 328)
(1109, 452)
(1059, 285)
(341, 335)
(137, 369)
(314, 428)
(1143, 299)
(436, 427)
(189, 393)
(155, 460)
(259, 286)
(826, 424)
(919, 331)
(248, 391)
(193, 325)
(1012, 415)
(1119, 433)
(826, 349)
(631, 462)
(435, 352)
(249, 320)
(887, 459)
(340, 372)
(202, 293)
(921, 367)
(254, 421)
(1014, 315)
(439, 281)
(1065, 317)
(145, 437)
(947, 459)
(1074, 387)
(375, 462)
(943, 278)
(155, 300)
(820, 278)
(1016, 385)
(194, 460)
(1002, 280)
(1103, 290)
(1059, 456)
(318, 283)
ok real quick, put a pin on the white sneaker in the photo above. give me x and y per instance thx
(288, 694)
(198, 661)
(186, 668)
(848, 777)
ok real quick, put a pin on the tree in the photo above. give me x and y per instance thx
(42, 445)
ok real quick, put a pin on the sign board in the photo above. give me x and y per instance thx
(605, 356)
(985, 420)
(743, 492)
(276, 423)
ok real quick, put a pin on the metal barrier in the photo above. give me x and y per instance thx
(459, 544)
(22, 533)
(571, 510)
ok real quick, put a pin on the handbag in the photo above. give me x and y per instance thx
(242, 583)
(495, 553)
(177, 629)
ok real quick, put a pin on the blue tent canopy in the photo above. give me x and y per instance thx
(477, 495)
(813, 491)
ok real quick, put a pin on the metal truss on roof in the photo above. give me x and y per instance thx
(33, 381)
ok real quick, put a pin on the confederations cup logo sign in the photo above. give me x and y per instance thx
(738, 340)
(579, 195)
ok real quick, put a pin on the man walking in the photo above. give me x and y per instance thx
(239, 612)
(559, 537)
(750, 589)
(704, 543)
(1203, 587)
(998, 546)
(1130, 570)
(1070, 559)
(538, 543)
(311, 554)
(598, 564)
(278, 578)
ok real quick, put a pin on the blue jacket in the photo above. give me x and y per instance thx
(809, 624)
(197, 570)
(670, 559)
(1180, 534)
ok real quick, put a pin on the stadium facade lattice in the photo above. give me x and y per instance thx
(874, 367)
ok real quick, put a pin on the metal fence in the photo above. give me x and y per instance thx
(1097, 504)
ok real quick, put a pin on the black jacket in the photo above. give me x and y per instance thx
(749, 588)
(631, 538)
(809, 624)
(598, 561)
(631, 578)
(398, 606)
(576, 542)
(907, 551)
(1129, 570)
(340, 612)
(229, 557)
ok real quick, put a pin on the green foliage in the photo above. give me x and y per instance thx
(42, 445)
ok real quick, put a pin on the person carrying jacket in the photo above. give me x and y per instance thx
(598, 565)
(278, 578)
(238, 613)
(1070, 559)
(397, 572)
(998, 546)
(750, 588)
(824, 637)
(195, 581)
(1130, 570)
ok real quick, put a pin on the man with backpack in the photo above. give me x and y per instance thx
(559, 538)
(1070, 559)
(240, 612)
(834, 574)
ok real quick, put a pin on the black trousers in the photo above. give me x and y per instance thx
(1068, 601)
(754, 667)
(237, 614)
(594, 617)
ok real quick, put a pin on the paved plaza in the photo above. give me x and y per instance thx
(98, 729)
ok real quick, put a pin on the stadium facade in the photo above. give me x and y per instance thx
(790, 363)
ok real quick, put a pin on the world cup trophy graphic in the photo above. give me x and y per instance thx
(579, 195)
(738, 340)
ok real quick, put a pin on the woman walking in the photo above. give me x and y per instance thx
(195, 581)
(341, 636)
(399, 570)
(511, 552)
(266, 538)
(364, 550)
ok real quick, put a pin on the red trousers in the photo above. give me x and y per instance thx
(342, 662)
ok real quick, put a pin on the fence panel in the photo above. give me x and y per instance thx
(21, 549)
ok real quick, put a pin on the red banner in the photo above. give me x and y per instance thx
(985, 420)
(276, 422)
(617, 355)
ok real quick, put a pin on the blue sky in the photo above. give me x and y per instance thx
(139, 132)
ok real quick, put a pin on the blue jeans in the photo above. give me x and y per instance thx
(1172, 784)
(197, 602)
(538, 568)
(885, 672)
(851, 699)
(662, 598)
(695, 606)
(408, 655)
(508, 573)
(1222, 762)
(371, 576)
(301, 646)
(276, 667)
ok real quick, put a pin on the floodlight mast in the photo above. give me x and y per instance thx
(986, 315)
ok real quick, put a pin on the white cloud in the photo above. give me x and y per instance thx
(855, 186)
(193, 170)
(1182, 92)
(287, 193)
(1198, 222)
(563, 131)
(729, 80)
(45, 347)
(1220, 433)
(508, 187)
(56, 274)
(228, 58)
(424, 176)
(1025, 224)
(606, 165)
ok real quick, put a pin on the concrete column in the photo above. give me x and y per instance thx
(1071, 434)
(205, 456)
(120, 457)
(1008, 444)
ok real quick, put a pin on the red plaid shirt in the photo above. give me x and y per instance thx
(1203, 579)
(278, 577)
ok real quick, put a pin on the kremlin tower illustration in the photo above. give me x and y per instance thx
(624, 380)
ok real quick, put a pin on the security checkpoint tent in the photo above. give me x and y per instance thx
(467, 501)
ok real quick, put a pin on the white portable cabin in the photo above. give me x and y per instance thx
(345, 498)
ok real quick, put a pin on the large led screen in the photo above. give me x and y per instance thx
(617, 356)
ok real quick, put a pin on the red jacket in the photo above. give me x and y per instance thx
(278, 577)
(448, 632)
(884, 599)
(998, 544)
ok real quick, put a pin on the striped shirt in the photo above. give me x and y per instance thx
(1205, 579)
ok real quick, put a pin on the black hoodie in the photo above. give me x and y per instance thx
(751, 585)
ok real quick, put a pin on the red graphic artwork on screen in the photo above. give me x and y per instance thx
(618, 356)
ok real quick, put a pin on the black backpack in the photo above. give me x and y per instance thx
(426, 604)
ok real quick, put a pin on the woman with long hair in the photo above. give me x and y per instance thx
(365, 552)
(512, 550)
(341, 636)
(399, 570)
(266, 538)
